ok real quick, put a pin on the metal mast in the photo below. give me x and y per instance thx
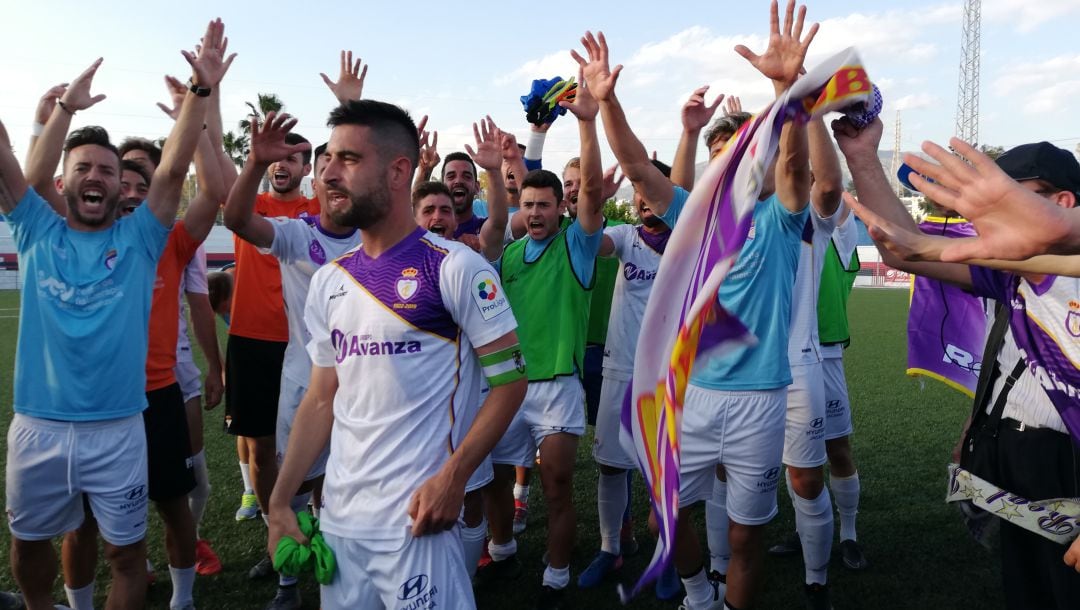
(967, 98)
(893, 171)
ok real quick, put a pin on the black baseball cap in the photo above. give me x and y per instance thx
(1042, 161)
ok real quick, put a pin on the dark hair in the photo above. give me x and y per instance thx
(393, 129)
(295, 138)
(431, 187)
(663, 167)
(320, 150)
(144, 145)
(542, 178)
(727, 124)
(458, 156)
(91, 134)
(220, 286)
(127, 165)
(522, 147)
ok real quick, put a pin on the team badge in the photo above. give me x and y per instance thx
(1072, 322)
(408, 284)
(316, 253)
(110, 259)
(752, 233)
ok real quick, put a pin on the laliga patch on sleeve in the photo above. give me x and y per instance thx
(488, 294)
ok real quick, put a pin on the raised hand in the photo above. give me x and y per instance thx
(350, 83)
(601, 78)
(610, 186)
(696, 114)
(857, 142)
(209, 62)
(78, 97)
(268, 140)
(584, 106)
(509, 146)
(177, 92)
(488, 153)
(733, 105)
(783, 58)
(429, 150)
(1013, 223)
(47, 103)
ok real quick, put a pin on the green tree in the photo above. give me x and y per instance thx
(992, 151)
(614, 211)
(236, 146)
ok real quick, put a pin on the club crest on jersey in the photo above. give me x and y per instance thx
(110, 259)
(1072, 321)
(753, 231)
(408, 284)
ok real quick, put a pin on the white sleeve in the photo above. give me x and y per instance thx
(620, 235)
(195, 273)
(291, 237)
(827, 225)
(471, 292)
(320, 346)
(846, 238)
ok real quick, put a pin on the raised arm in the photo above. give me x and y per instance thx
(12, 183)
(208, 66)
(44, 110)
(781, 63)
(350, 83)
(650, 182)
(696, 114)
(828, 183)
(43, 159)
(488, 155)
(590, 213)
(267, 146)
(436, 505)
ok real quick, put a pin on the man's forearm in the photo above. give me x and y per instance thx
(682, 168)
(491, 421)
(240, 205)
(205, 328)
(876, 193)
(633, 159)
(44, 157)
(828, 184)
(494, 228)
(590, 192)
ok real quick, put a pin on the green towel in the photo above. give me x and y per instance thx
(291, 558)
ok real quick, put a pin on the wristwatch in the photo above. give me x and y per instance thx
(197, 90)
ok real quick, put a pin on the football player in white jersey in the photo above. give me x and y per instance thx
(406, 300)
(301, 247)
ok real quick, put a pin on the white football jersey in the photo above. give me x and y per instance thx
(639, 252)
(301, 246)
(193, 280)
(803, 344)
(400, 331)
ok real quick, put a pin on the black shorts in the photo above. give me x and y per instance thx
(168, 445)
(252, 385)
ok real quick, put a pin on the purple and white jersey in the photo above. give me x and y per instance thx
(400, 331)
(803, 342)
(639, 252)
(301, 245)
(1044, 323)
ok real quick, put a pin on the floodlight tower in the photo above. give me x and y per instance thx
(967, 98)
(895, 169)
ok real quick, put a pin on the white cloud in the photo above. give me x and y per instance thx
(1041, 87)
(1026, 15)
(915, 100)
(558, 62)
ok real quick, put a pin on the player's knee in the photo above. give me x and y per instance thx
(840, 460)
(744, 539)
(807, 482)
(128, 559)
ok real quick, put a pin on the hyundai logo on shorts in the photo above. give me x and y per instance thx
(817, 422)
(135, 492)
(771, 473)
(413, 587)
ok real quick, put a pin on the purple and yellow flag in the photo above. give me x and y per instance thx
(947, 326)
(683, 320)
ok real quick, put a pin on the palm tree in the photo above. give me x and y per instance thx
(236, 146)
(265, 104)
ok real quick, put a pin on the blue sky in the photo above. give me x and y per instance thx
(459, 61)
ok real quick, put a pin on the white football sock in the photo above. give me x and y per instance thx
(814, 521)
(716, 528)
(82, 598)
(500, 552)
(557, 578)
(845, 491)
(611, 504)
(472, 541)
(521, 493)
(245, 474)
(699, 591)
(199, 496)
(183, 580)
